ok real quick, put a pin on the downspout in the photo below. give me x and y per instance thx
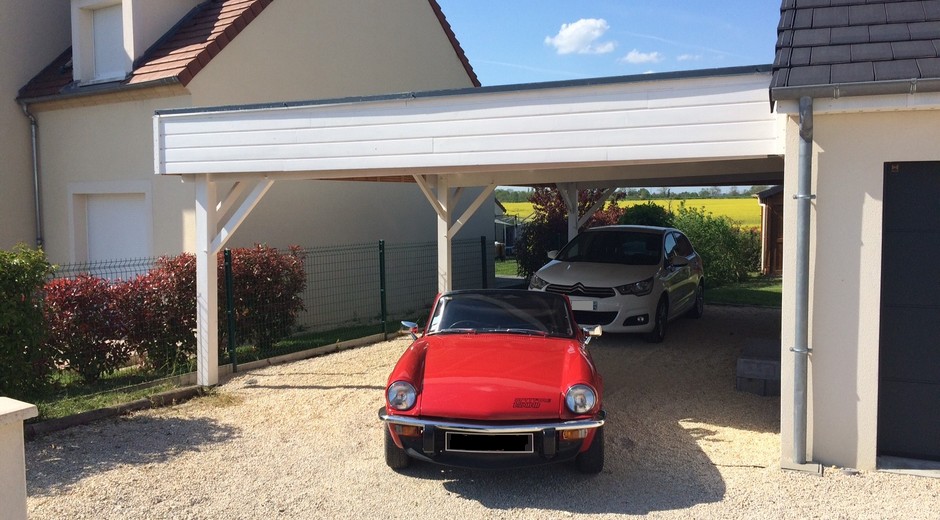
(34, 126)
(801, 348)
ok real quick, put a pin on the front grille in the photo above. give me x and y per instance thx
(580, 290)
(594, 317)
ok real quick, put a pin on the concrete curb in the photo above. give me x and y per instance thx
(177, 395)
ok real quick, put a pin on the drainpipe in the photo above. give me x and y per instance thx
(801, 348)
(34, 126)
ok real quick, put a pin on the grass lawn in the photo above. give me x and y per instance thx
(760, 291)
(507, 267)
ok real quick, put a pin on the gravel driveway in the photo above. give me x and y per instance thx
(302, 440)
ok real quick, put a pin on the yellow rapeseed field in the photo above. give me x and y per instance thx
(744, 211)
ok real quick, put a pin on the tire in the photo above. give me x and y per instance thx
(395, 457)
(658, 334)
(592, 460)
(698, 308)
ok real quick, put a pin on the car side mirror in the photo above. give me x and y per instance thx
(552, 254)
(412, 328)
(678, 261)
(591, 332)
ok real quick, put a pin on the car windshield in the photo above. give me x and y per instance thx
(512, 312)
(614, 246)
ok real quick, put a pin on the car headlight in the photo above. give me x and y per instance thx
(537, 283)
(401, 395)
(580, 399)
(641, 288)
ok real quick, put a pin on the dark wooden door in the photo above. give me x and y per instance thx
(909, 355)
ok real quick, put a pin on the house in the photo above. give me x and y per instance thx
(94, 100)
(771, 230)
(18, 31)
(859, 84)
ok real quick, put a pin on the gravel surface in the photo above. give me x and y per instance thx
(302, 440)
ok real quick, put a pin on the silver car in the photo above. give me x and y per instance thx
(627, 278)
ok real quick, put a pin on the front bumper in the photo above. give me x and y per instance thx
(546, 445)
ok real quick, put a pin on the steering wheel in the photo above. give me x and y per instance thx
(465, 324)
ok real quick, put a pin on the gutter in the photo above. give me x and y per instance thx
(867, 88)
(34, 127)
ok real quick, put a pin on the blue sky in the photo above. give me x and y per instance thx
(526, 41)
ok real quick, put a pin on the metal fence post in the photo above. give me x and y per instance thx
(382, 288)
(230, 307)
(483, 260)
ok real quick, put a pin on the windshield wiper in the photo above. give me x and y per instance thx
(528, 332)
(457, 331)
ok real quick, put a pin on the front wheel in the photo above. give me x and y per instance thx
(395, 457)
(592, 460)
(658, 334)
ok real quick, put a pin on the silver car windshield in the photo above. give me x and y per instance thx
(614, 247)
(509, 312)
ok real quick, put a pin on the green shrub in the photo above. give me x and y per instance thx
(25, 363)
(649, 214)
(85, 326)
(728, 252)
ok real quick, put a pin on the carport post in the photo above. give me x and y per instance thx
(444, 245)
(569, 194)
(207, 283)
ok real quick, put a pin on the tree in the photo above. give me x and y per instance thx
(548, 228)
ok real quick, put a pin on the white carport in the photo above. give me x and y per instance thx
(674, 129)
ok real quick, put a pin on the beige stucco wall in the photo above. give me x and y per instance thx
(845, 275)
(295, 50)
(32, 34)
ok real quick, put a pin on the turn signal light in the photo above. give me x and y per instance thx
(408, 431)
(573, 435)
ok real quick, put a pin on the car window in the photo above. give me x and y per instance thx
(614, 246)
(669, 247)
(502, 311)
(683, 246)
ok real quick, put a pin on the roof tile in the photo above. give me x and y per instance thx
(867, 14)
(872, 52)
(905, 12)
(853, 72)
(932, 9)
(890, 32)
(800, 56)
(896, 69)
(812, 3)
(844, 35)
(813, 75)
(803, 19)
(831, 17)
(914, 49)
(831, 54)
(929, 68)
(806, 37)
(925, 30)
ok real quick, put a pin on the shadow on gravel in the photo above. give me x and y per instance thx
(58, 461)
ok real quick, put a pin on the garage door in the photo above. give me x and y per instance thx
(909, 391)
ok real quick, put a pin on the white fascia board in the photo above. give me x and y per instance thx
(671, 120)
(861, 104)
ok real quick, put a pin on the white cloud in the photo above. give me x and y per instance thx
(581, 37)
(636, 57)
(689, 57)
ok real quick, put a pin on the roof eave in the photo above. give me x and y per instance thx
(867, 88)
(74, 92)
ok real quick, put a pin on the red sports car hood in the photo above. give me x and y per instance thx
(497, 376)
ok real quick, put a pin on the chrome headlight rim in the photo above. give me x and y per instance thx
(537, 283)
(641, 288)
(580, 399)
(401, 396)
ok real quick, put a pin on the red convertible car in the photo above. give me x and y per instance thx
(497, 379)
